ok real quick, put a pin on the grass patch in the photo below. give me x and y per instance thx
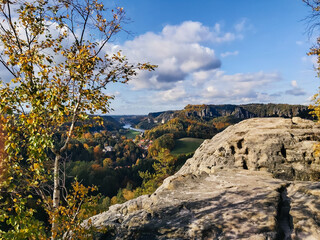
(186, 145)
(131, 134)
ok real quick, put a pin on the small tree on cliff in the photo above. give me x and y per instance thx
(54, 51)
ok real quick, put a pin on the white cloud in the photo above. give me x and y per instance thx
(294, 83)
(174, 94)
(189, 71)
(215, 87)
(219, 37)
(242, 25)
(191, 32)
(187, 32)
(213, 92)
(201, 76)
(310, 99)
(295, 90)
(178, 50)
(240, 87)
(227, 54)
(175, 60)
(310, 59)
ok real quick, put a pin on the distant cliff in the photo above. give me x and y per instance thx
(246, 111)
(214, 118)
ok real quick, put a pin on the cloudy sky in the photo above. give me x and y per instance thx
(215, 52)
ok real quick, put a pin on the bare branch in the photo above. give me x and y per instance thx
(7, 67)
(9, 18)
(84, 26)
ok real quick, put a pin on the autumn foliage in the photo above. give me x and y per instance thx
(2, 152)
(55, 54)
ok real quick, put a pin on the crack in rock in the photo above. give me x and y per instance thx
(284, 219)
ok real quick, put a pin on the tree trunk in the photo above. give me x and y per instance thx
(56, 195)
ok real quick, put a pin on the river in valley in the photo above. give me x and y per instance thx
(128, 126)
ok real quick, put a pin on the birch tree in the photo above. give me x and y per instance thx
(54, 52)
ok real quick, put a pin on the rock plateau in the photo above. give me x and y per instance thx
(258, 179)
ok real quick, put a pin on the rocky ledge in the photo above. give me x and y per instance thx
(256, 180)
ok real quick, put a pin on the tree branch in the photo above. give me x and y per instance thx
(7, 67)
(74, 119)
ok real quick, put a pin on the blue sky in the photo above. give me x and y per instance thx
(214, 52)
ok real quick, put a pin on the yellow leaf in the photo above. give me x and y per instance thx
(35, 165)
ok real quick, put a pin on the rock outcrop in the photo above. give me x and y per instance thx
(284, 147)
(258, 179)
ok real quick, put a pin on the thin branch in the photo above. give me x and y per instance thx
(7, 67)
(313, 19)
(27, 36)
(9, 18)
(78, 210)
(63, 179)
(72, 28)
(84, 26)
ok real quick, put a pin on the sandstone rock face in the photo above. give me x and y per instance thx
(284, 147)
(252, 181)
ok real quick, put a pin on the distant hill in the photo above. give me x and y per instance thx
(133, 119)
(156, 118)
(109, 123)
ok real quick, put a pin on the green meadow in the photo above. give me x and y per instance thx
(131, 134)
(186, 145)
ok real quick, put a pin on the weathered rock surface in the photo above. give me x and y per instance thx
(284, 147)
(256, 180)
